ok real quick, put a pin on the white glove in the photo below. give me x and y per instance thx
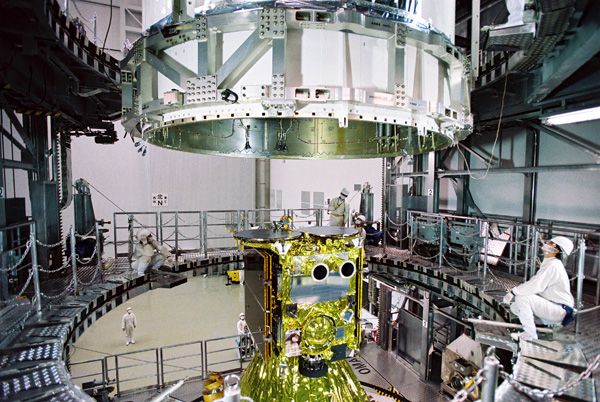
(508, 297)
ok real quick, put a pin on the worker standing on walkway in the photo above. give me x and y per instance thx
(128, 323)
(338, 209)
(547, 295)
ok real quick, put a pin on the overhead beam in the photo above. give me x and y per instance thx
(568, 137)
(16, 143)
(475, 153)
(242, 59)
(12, 164)
(532, 169)
(582, 47)
(18, 126)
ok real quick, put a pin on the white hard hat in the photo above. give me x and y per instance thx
(360, 219)
(143, 234)
(565, 245)
(344, 192)
(242, 315)
(128, 308)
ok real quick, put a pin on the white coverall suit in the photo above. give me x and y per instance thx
(128, 324)
(338, 210)
(542, 296)
(148, 253)
(515, 9)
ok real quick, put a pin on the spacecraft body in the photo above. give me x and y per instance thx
(287, 79)
(303, 301)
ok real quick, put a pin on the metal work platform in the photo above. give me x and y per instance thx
(32, 360)
(545, 364)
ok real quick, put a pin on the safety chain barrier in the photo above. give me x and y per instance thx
(90, 258)
(547, 394)
(21, 259)
(401, 223)
(393, 236)
(39, 243)
(65, 265)
(58, 295)
(92, 230)
(454, 267)
(422, 256)
(455, 251)
(26, 283)
(184, 237)
(533, 393)
(488, 372)
(464, 393)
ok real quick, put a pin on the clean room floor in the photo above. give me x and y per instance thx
(203, 308)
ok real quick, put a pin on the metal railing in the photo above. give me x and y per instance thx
(472, 239)
(132, 369)
(89, 371)
(304, 217)
(162, 366)
(17, 242)
(202, 232)
(182, 360)
(126, 224)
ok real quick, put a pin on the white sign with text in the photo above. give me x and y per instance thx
(160, 200)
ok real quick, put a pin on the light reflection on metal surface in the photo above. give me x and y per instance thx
(323, 314)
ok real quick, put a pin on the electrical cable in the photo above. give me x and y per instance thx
(109, 24)
(83, 18)
(489, 163)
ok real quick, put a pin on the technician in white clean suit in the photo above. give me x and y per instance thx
(128, 323)
(547, 295)
(338, 209)
(148, 252)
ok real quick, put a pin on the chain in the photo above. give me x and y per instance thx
(51, 245)
(422, 256)
(184, 237)
(61, 294)
(547, 394)
(21, 259)
(92, 230)
(89, 258)
(464, 393)
(389, 233)
(26, 283)
(393, 222)
(65, 265)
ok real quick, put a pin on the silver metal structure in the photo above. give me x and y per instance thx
(316, 80)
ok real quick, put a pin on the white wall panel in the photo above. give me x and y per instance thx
(192, 181)
(569, 195)
(295, 176)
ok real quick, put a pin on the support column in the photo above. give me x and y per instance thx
(432, 186)
(384, 316)
(386, 178)
(262, 187)
(475, 32)
(530, 183)
(425, 337)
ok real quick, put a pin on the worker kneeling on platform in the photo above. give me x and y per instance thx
(148, 253)
(547, 295)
